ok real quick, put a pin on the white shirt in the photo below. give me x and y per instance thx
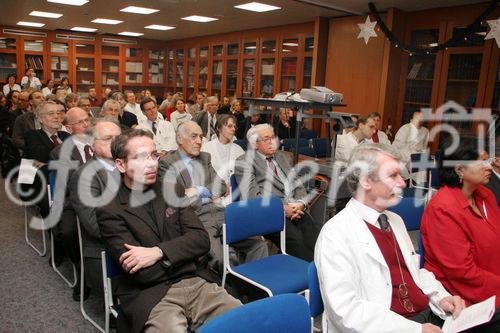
(178, 118)
(46, 91)
(135, 109)
(355, 280)
(35, 82)
(409, 140)
(164, 138)
(382, 138)
(7, 89)
(345, 144)
(80, 145)
(223, 160)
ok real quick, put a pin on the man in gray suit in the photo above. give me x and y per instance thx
(266, 171)
(92, 185)
(192, 169)
(208, 119)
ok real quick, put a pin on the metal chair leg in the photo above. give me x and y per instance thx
(52, 262)
(41, 252)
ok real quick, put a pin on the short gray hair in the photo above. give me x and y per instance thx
(182, 129)
(210, 99)
(363, 162)
(107, 104)
(42, 108)
(94, 121)
(253, 133)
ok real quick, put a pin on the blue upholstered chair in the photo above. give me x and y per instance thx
(276, 274)
(411, 209)
(315, 300)
(287, 313)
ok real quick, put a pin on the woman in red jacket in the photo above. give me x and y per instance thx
(461, 227)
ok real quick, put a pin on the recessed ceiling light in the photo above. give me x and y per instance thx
(45, 14)
(128, 33)
(31, 24)
(70, 2)
(257, 7)
(139, 10)
(83, 29)
(106, 21)
(197, 18)
(159, 27)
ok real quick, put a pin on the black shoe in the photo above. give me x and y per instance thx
(76, 293)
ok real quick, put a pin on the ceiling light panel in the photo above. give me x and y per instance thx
(139, 10)
(257, 7)
(129, 33)
(70, 2)
(83, 29)
(159, 27)
(201, 19)
(45, 14)
(106, 21)
(30, 24)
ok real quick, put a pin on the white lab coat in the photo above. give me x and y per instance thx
(382, 138)
(345, 145)
(409, 140)
(354, 278)
(164, 138)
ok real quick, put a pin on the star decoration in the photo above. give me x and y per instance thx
(494, 32)
(367, 29)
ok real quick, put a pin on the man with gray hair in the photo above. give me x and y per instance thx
(266, 171)
(369, 273)
(192, 169)
(208, 119)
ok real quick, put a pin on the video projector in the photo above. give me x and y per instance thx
(321, 95)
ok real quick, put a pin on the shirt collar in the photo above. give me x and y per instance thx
(106, 164)
(366, 213)
(186, 159)
(457, 193)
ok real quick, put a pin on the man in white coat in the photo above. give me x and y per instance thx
(379, 136)
(368, 271)
(365, 128)
(163, 130)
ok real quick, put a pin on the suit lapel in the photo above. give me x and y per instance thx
(181, 168)
(45, 139)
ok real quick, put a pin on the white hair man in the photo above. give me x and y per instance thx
(369, 273)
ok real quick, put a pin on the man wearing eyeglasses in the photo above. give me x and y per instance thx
(369, 273)
(165, 286)
(266, 171)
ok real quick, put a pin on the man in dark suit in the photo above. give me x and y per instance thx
(93, 184)
(494, 183)
(265, 171)
(208, 119)
(165, 287)
(38, 145)
(192, 169)
(249, 122)
(27, 121)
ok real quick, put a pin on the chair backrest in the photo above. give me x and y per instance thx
(315, 299)
(234, 188)
(51, 186)
(112, 269)
(320, 146)
(282, 313)
(242, 143)
(411, 209)
(254, 217)
(308, 134)
(421, 250)
(308, 151)
(289, 144)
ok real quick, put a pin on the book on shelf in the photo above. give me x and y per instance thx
(204, 70)
(113, 68)
(204, 53)
(217, 68)
(267, 69)
(412, 74)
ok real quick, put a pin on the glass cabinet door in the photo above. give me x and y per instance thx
(248, 78)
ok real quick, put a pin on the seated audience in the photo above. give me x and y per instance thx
(494, 183)
(64, 84)
(87, 191)
(84, 103)
(461, 226)
(266, 171)
(237, 111)
(379, 136)
(167, 103)
(162, 130)
(165, 286)
(368, 271)
(49, 87)
(92, 96)
(30, 80)
(179, 115)
(27, 121)
(284, 126)
(197, 107)
(208, 119)
(132, 106)
(11, 84)
(249, 122)
(61, 93)
(224, 152)
(38, 145)
(126, 118)
(192, 169)
(346, 143)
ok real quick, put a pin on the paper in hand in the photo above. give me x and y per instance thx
(27, 172)
(471, 316)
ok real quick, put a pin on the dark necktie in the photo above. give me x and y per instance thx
(375, 137)
(88, 152)
(55, 140)
(272, 166)
(212, 126)
(153, 127)
(383, 223)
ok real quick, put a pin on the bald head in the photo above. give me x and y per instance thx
(77, 120)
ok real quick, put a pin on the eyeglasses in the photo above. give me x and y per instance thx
(231, 126)
(267, 139)
(404, 299)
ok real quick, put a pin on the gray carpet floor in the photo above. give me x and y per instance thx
(33, 298)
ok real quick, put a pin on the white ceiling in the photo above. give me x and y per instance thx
(171, 11)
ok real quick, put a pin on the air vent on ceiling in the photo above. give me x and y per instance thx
(75, 37)
(24, 33)
(119, 41)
